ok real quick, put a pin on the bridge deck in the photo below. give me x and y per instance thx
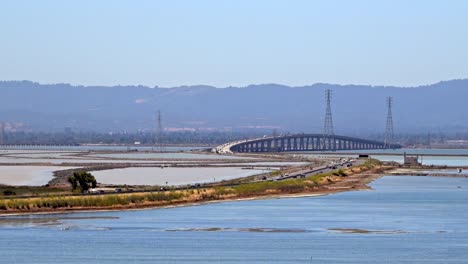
(302, 142)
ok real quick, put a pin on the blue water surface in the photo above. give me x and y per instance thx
(403, 220)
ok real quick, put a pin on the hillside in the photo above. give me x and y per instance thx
(356, 108)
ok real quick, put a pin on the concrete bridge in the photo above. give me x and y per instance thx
(302, 142)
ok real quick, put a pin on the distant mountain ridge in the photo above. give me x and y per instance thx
(356, 108)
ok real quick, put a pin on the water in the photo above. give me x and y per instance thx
(426, 160)
(59, 157)
(409, 151)
(28, 175)
(173, 155)
(429, 160)
(173, 176)
(37, 154)
(267, 163)
(57, 161)
(96, 148)
(437, 156)
(408, 220)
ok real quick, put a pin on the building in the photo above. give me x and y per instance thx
(410, 160)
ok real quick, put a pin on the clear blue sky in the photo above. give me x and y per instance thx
(238, 42)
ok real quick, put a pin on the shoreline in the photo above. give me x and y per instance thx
(425, 172)
(329, 184)
(355, 182)
(96, 210)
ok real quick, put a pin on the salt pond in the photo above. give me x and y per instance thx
(173, 176)
(413, 151)
(27, 175)
(169, 155)
(58, 157)
(426, 160)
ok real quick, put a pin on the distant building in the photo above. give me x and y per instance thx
(410, 160)
(459, 142)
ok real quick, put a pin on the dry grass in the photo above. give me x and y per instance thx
(110, 201)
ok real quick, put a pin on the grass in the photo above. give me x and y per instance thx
(27, 191)
(369, 163)
(161, 198)
(126, 200)
(55, 202)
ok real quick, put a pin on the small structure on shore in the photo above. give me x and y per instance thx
(410, 160)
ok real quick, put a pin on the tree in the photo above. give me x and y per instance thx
(82, 180)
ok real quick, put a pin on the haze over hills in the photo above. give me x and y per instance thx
(357, 109)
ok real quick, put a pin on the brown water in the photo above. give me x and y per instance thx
(173, 176)
(28, 175)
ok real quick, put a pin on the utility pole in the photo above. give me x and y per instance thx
(389, 127)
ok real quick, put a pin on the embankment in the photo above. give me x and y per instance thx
(354, 178)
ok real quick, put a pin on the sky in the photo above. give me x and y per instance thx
(234, 43)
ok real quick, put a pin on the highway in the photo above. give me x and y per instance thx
(322, 169)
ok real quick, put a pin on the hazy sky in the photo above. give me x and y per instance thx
(238, 42)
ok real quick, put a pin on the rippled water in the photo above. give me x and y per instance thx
(404, 220)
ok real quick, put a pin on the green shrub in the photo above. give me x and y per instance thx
(8, 193)
(82, 180)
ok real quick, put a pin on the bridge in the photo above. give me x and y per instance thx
(301, 142)
(327, 141)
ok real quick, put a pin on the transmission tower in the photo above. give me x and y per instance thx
(389, 128)
(328, 125)
(159, 133)
(275, 133)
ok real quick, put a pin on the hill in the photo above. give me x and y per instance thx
(357, 109)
